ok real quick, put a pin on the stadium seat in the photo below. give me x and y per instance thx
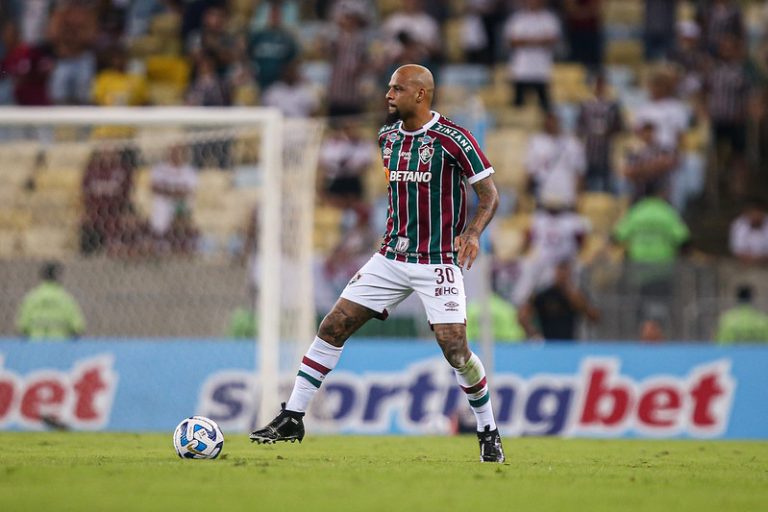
(506, 149)
(168, 70)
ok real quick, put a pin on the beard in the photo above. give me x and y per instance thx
(392, 117)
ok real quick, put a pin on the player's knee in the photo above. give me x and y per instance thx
(453, 341)
(331, 331)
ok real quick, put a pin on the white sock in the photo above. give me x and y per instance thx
(472, 380)
(319, 360)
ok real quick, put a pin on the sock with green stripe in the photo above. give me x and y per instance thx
(320, 359)
(472, 380)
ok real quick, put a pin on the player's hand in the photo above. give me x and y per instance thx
(467, 246)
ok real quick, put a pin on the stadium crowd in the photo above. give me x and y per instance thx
(636, 139)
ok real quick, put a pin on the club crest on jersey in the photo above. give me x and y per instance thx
(425, 154)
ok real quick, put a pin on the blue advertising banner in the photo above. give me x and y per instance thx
(386, 386)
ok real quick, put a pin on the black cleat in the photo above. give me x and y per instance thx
(288, 426)
(490, 445)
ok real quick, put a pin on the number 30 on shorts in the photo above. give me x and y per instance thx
(444, 275)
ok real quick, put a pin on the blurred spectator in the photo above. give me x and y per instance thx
(478, 31)
(48, 311)
(33, 17)
(107, 188)
(413, 22)
(213, 41)
(720, 18)
(140, 14)
(652, 331)
(599, 122)
(504, 321)
(533, 32)
(193, 12)
(114, 86)
(749, 234)
(28, 66)
(743, 323)
(174, 182)
(72, 31)
(292, 94)
(652, 231)
(272, 48)
(348, 54)
(648, 164)
(552, 314)
(583, 20)
(407, 51)
(555, 162)
(242, 324)
(669, 115)
(556, 234)
(690, 60)
(659, 28)
(727, 88)
(207, 89)
(345, 157)
(654, 235)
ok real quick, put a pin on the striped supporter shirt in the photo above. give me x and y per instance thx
(427, 171)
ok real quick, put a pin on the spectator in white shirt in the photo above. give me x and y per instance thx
(556, 234)
(668, 114)
(533, 32)
(292, 95)
(417, 24)
(555, 163)
(749, 234)
(174, 182)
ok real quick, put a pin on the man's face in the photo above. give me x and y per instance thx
(401, 97)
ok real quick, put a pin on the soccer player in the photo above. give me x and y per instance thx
(428, 161)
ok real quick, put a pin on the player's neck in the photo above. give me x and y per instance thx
(417, 121)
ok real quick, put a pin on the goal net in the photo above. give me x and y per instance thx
(169, 222)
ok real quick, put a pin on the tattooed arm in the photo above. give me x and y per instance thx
(467, 244)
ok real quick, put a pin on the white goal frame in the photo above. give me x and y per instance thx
(268, 338)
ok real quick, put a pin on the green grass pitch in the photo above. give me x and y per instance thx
(114, 471)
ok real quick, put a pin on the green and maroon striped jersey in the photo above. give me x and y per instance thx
(427, 171)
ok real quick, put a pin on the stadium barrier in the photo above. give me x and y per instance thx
(392, 387)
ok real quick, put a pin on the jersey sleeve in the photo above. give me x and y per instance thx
(470, 158)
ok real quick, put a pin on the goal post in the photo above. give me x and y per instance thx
(284, 169)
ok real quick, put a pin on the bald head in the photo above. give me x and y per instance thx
(419, 76)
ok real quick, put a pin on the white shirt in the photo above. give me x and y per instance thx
(669, 116)
(555, 164)
(532, 63)
(298, 100)
(182, 178)
(420, 27)
(341, 157)
(746, 241)
(555, 237)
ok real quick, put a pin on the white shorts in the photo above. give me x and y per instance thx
(382, 284)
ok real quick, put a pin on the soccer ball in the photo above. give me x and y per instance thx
(198, 437)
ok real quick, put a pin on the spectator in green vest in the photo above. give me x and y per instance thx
(652, 231)
(742, 323)
(48, 311)
(242, 324)
(503, 316)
